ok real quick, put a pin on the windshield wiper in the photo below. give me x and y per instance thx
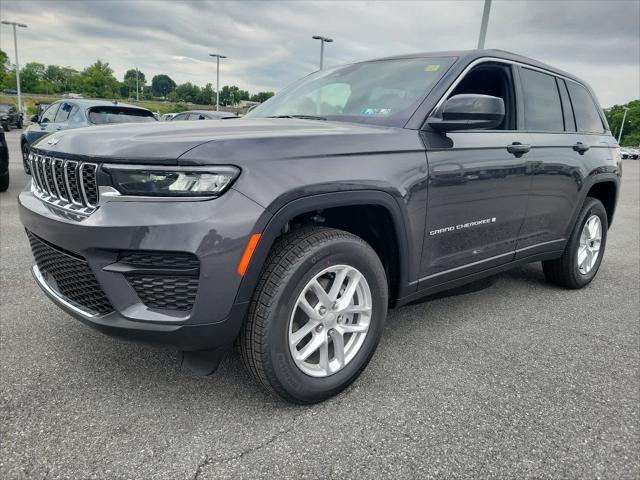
(304, 117)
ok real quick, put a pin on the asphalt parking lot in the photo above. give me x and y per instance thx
(518, 380)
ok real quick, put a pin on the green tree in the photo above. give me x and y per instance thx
(231, 95)
(187, 92)
(32, 77)
(130, 81)
(261, 96)
(60, 78)
(631, 130)
(162, 85)
(97, 81)
(5, 66)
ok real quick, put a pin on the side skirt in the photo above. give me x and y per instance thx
(425, 292)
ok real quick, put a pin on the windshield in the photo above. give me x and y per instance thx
(101, 115)
(385, 92)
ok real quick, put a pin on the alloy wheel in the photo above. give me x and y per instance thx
(330, 321)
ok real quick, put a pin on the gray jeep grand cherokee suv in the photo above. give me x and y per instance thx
(292, 230)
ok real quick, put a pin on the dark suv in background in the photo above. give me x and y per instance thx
(292, 230)
(10, 117)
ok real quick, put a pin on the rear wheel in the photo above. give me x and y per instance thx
(19, 124)
(581, 259)
(6, 126)
(316, 316)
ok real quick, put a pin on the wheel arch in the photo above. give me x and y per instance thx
(276, 225)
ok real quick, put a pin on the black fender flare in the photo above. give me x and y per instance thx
(274, 224)
(589, 182)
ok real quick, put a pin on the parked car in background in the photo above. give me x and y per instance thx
(4, 163)
(634, 153)
(10, 117)
(67, 114)
(624, 153)
(10, 91)
(167, 116)
(203, 115)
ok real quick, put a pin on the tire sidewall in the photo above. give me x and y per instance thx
(336, 252)
(592, 207)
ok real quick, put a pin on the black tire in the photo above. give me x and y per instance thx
(294, 260)
(19, 125)
(564, 271)
(7, 127)
(4, 182)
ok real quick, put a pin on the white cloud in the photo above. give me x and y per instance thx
(269, 43)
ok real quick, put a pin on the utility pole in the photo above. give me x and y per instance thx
(218, 57)
(323, 40)
(137, 86)
(485, 22)
(15, 46)
(624, 117)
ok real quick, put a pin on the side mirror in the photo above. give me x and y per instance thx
(34, 118)
(468, 111)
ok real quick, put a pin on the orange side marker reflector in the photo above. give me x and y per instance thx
(248, 252)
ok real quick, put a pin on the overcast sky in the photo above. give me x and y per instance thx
(269, 43)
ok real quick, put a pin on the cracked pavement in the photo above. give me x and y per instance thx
(520, 379)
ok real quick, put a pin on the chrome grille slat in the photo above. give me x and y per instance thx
(48, 176)
(58, 178)
(88, 184)
(71, 180)
(40, 177)
(68, 184)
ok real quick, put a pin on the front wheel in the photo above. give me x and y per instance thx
(316, 316)
(582, 256)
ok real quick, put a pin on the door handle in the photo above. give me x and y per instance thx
(581, 148)
(518, 149)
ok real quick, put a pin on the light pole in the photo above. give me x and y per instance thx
(323, 40)
(218, 57)
(624, 117)
(15, 45)
(485, 22)
(137, 86)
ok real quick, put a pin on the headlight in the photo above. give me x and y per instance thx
(156, 181)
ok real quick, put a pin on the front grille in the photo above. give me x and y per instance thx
(67, 183)
(165, 291)
(170, 279)
(70, 276)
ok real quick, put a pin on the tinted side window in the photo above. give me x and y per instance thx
(567, 110)
(63, 112)
(584, 108)
(50, 113)
(542, 107)
(181, 116)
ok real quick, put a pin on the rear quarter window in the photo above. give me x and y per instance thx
(102, 115)
(542, 106)
(585, 110)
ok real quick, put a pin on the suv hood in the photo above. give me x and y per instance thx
(218, 141)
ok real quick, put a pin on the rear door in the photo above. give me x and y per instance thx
(556, 162)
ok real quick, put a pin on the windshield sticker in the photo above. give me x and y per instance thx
(376, 112)
(432, 68)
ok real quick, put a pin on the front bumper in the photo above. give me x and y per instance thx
(215, 231)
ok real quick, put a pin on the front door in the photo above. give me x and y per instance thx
(478, 187)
